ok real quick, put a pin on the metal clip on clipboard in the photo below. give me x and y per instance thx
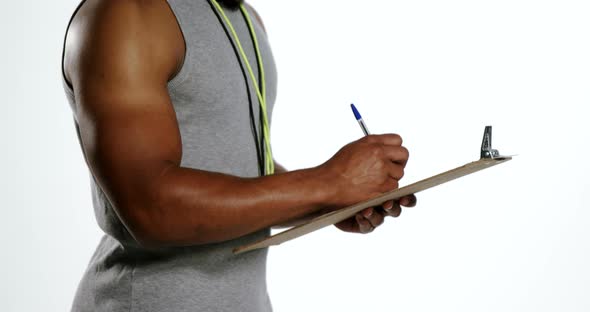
(487, 152)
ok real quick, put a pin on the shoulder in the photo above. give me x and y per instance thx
(119, 32)
(256, 15)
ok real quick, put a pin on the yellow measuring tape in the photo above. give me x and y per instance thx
(260, 91)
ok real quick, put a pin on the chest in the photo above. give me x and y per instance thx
(215, 97)
(217, 78)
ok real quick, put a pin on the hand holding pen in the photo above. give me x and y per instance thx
(389, 157)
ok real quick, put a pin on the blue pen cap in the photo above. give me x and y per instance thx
(357, 115)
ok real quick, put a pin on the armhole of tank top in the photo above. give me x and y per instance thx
(182, 74)
(70, 87)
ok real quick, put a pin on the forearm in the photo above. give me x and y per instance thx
(297, 220)
(199, 207)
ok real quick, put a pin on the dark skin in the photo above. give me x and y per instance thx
(119, 57)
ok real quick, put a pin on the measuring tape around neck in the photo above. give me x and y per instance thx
(260, 90)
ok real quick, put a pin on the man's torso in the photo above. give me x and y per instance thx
(213, 98)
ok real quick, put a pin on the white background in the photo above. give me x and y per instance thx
(512, 238)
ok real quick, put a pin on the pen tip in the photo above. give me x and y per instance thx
(357, 115)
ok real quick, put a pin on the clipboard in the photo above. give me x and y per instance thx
(489, 158)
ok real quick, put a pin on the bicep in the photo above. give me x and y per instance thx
(127, 124)
(128, 141)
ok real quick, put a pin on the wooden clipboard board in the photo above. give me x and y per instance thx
(489, 159)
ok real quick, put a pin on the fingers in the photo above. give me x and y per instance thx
(374, 216)
(364, 226)
(387, 205)
(390, 146)
(392, 208)
(385, 139)
(395, 171)
(408, 201)
(369, 219)
(397, 154)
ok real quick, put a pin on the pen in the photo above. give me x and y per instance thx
(358, 117)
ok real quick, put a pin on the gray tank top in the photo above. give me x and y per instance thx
(213, 98)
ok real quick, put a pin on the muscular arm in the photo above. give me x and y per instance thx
(119, 57)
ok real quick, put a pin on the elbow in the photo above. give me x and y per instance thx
(148, 239)
(147, 243)
(155, 228)
(154, 237)
(147, 219)
(144, 230)
(146, 215)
